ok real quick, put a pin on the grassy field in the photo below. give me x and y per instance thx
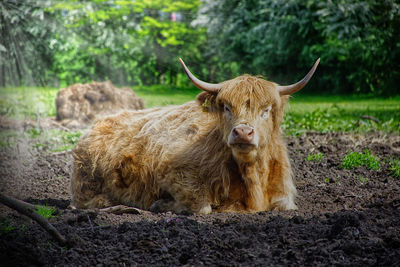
(28, 102)
(342, 113)
(304, 113)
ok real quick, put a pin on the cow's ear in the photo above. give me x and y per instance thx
(206, 100)
(285, 99)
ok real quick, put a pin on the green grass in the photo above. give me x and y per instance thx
(161, 95)
(52, 140)
(355, 159)
(46, 212)
(341, 113)
(315, 157)
(394, 168)
(320, 113)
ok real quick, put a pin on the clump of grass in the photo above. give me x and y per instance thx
(315, 157)
(45, 211)
(355, 160)
(394, 168)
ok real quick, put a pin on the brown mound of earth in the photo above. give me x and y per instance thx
(78, 105)
(352, 218)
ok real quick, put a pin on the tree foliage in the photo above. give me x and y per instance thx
(24, 40)
(139, 42)
(129, 42)
(358, 41)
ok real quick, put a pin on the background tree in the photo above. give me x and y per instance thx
(25, 34)
(358, 41)
(139, 42)
(127, 41)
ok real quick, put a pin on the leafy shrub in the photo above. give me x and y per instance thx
(355, 160)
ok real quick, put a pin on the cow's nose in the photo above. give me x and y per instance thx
(243, 134)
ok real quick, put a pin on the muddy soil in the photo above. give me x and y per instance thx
(345, 217)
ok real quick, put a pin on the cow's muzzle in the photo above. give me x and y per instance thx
(242, 136)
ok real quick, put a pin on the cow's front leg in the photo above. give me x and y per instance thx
(163, 205)
(185, 197)
(281, 188)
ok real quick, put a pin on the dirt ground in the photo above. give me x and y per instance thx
(345, 217)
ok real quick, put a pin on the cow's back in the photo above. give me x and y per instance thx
(123, 157)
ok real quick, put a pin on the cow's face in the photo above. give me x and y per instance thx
(248, 107)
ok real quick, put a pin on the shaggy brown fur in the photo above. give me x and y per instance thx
(79, 104)
(178, 158)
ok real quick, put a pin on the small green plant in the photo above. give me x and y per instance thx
(363, 180)
(45, 211)
(315, 157)
(327, 180)
(5, 226)
(68, 140)
(38, 146)
(34, 132)
(70, 137)
(394, 168)
(355, 160)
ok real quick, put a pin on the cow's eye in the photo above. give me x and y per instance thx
(226, 109)
(265, 113)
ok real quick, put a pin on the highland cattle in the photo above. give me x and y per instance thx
(223, 152)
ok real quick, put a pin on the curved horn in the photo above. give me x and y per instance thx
(293, 88)
(212, 88)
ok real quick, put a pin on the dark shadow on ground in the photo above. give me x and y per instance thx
(359, 238)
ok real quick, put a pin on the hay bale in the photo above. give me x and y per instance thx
(78, 105)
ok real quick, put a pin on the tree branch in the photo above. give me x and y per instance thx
(120, 209)
(29, 210)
